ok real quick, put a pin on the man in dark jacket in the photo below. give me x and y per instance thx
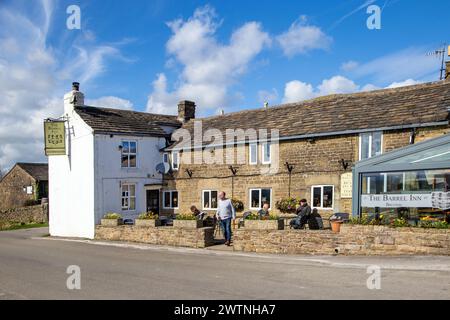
(303, 213)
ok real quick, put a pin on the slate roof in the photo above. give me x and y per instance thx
(39, 171)
(105, 120)
(424, 104)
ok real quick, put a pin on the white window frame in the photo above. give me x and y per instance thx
(129, 154)
(29, 189)
(370, 143)
(171, 199)
(129, 197)
(260, 198)
(250, 153)
(203, 199)
(175, 154)
(321, 197)
(263, 153)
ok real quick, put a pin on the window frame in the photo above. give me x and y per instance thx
(263, 145)
(170, 199)
(165, 157)
(260, 198)
(370, 143)
(255, 162)
(128, 197)
(177, 153)
(210, 191)
(321, 196)
(129, 154)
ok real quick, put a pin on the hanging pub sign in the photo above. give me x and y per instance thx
(55, 138)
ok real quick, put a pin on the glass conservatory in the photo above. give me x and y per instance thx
(411, 183)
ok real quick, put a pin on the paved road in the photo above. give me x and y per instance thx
(32, 267)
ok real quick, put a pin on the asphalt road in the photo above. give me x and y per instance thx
(33, 267)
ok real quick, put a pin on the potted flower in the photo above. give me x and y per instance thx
(112, 220)
(147, 219)
(188, 221)
(273, 222)
(237, 204)
(336, 221)
(287, 205)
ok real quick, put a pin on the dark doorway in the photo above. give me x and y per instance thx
(153, 201)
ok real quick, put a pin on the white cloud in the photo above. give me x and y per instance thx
(349, 65)
(301, 38)
(209, 68)
(110, 102)
(34, 76)
(298, 91)
(408, 82)
(411, 63)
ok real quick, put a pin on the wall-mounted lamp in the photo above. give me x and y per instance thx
(233, 170)
(344, 163)
(289, 167)
(189, 172)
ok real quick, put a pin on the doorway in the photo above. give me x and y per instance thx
(153, 201)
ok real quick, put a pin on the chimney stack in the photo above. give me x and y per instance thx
(186, 110)
(74, 98)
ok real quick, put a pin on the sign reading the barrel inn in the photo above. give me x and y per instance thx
(55, 138)
(423, 200)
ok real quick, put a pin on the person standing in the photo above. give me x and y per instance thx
(225, 213)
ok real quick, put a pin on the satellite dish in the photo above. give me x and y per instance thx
(163, 167)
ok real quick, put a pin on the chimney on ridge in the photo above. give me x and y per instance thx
(186, 110)
(74, 98)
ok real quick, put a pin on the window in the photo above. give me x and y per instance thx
(29, 189)
(166, 157)
(170, 199)
(322, 197)
(209, 199)
(253, 153)
(129, 154)
(175, 160)
(266, 153)
(128, 197)
(370, 145)
(259, 196)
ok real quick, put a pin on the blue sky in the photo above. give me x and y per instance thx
(230, 55)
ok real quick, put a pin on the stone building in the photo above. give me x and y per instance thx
(319, 142)
(25, 182)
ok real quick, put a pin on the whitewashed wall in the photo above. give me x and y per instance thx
(109, 174)
(71, 184)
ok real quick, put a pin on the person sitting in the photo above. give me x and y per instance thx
(263, 213)
(315, 221)
(303, 213)
(200, 215)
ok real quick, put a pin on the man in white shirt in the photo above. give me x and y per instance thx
(225, 213)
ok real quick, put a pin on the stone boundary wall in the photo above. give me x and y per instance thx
(352, 240)
(32, 214)
(170, 236)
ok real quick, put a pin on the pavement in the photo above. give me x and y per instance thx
(34, 266)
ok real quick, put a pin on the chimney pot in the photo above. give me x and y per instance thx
(75, 98)
(186, 110)
(76, 86)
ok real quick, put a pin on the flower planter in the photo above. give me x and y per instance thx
(264, 224)
(336, 226)
(111, 222)
(147, 223)
(188, 224)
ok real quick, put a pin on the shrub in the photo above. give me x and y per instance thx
(287, 205)
(148, 216)
(112, 215)
(187, 216)
(398, 223)
(255, 216)
(237, 204)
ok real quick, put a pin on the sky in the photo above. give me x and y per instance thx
(224, 55)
